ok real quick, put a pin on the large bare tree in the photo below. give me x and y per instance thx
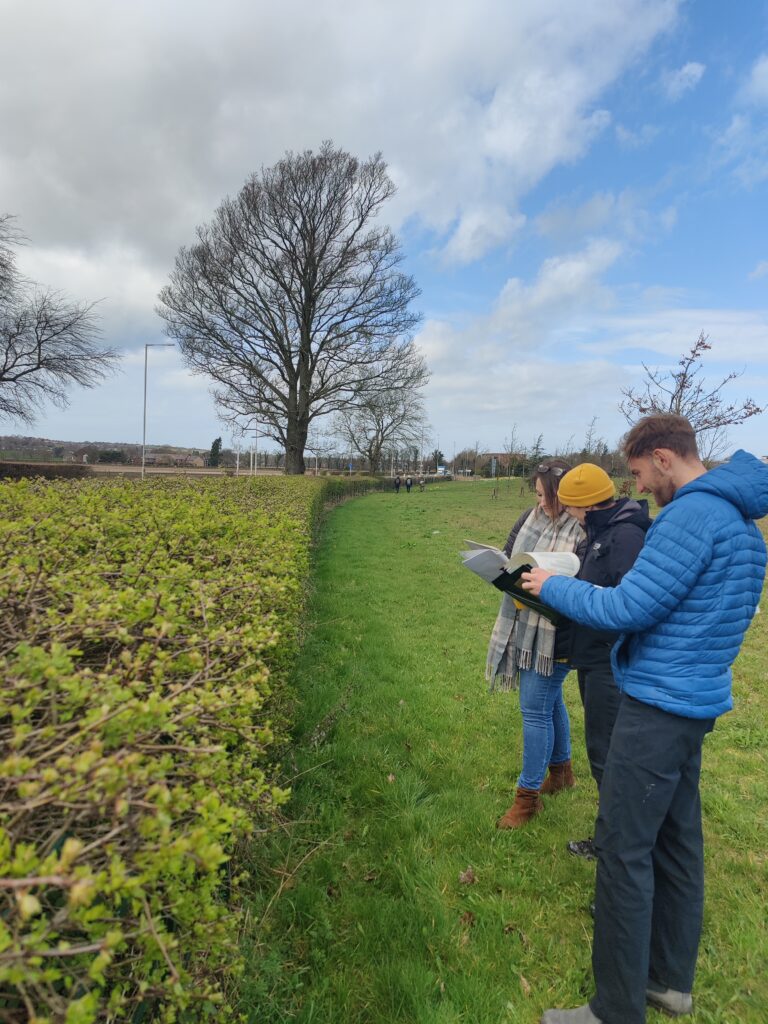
(685, 393)
(292, 301)
(390, 420)
(47, 342)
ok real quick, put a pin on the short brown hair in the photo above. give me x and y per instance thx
(550, 482)
(661, 430)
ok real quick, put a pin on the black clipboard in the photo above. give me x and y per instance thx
(509, 583)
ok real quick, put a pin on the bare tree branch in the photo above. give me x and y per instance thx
(685, 393)
(291, 302)
(47, 341)
(384, 420)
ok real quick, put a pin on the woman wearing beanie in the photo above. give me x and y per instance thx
(615, 533)
(528, 651)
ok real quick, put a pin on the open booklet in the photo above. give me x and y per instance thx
(504, 573)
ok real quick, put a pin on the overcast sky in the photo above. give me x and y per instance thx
(582, 187)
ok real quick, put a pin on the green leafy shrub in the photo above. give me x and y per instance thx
(144, 628)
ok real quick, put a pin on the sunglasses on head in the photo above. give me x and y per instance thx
(554, 470)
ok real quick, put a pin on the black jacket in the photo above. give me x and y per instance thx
(615, 536)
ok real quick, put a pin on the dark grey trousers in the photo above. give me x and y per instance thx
(650, 873)
(601, 698)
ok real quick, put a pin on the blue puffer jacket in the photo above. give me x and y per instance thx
(684, 607)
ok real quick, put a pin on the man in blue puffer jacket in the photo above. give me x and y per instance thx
(682, 612)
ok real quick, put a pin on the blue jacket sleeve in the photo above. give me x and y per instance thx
(677, 548)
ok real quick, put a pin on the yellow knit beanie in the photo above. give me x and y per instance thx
(584, 485)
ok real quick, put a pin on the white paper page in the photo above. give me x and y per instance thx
(487, 564)
(562, 563)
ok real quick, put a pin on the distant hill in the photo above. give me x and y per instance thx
(21, 443)
(18, 448)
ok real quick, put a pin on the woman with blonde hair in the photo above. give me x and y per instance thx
(527, 651)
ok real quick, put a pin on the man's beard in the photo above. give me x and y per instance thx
(664, 492)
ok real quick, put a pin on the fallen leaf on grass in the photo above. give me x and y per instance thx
(390, 778)
(467, 919)
(467, 877)
(525, 985)
(371, 876)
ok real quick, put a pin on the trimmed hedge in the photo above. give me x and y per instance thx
(46, 470)
(144, 628)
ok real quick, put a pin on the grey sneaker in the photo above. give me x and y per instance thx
(668, 1000)
(581, 1015)
(582, 848)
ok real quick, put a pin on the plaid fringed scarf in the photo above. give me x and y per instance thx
(521, 638)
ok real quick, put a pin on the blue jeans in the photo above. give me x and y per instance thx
(546, 729)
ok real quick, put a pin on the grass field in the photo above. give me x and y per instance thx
(390, 896)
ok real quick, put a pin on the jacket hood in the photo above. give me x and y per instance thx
(625, 510)
(743, 481)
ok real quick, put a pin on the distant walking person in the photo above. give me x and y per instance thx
(682, 610)
(397, 484)
(408, 484)
(421, 483)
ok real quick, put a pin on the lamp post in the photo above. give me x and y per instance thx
(149, 345)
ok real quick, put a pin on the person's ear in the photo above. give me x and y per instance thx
(662, 459)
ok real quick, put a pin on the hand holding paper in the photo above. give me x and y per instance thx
(534, 580)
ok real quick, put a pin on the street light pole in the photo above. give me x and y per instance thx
(148, 346)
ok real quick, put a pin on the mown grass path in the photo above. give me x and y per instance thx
(389, 894)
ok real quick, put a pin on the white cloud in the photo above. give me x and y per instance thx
(761, 270)
(623, 214)
(737, 337)
(744, 147)
(525, 317)
(639, 139)
(743, 144)
(550, 352)
(677, 83)
(755, 89)
(564, 285)
(120, 281)
(507, 365)
(135, 120)
(479, 230)
(548, 343)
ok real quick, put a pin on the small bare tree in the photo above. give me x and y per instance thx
(47, 342)
(512, 449)
(291, 301)
(685, 393)
(391, 420)
(595, 448)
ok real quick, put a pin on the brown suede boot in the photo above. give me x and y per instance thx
(527, 803)
(560, 777)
